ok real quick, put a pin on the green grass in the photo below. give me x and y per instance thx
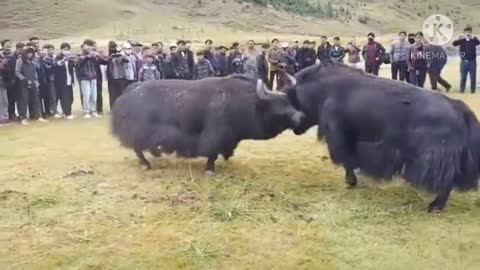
(72, 198)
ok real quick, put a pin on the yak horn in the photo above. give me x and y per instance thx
(292, 79)
(262, 91)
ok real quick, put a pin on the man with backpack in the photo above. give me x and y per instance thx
(373, 53)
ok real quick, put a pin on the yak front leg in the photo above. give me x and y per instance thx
(210, 167)
(350, 177)
(143, 161)
(440, 201)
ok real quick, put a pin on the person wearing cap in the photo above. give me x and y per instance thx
(27, 76)
(337, 52)
(180, 62)
(468, 52)
(148, 71)
(373, 53)
(323, 51)
(306, 56)
(274, 58)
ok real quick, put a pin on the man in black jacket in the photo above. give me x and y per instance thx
(63, 79)
(48, 97)
(436, 61)
(180, 63)
(190, 57)
(468, 52)
(306, 56)
(262, 64)
(13, 87)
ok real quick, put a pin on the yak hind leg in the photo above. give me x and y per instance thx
(143, 161)
(210, 167)
(350, 178)
(438, 204)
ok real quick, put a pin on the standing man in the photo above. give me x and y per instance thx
(87, 75)
(3, 90)
(373, 54)
(102, 61)
(399, 52)
(63, 80)
(323, 52)
(274, 58)
(27, 76)
(203, 68)
(436, 61)
(180, 62)
(417, 62)
(13, 90)
(190, 57)
(353, 51)
(337, 52)
(262, 64)
(48, 95)
(209, 50)
(306, 56)
(468, 52)
(250, 59)
(220, 62)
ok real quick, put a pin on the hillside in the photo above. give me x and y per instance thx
(224, 20)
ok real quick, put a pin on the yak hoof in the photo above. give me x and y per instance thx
(209, 173)
(435, 208)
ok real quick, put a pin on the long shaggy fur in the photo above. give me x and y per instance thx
(389, 128)
(197, 118)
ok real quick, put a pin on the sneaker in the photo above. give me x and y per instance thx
(57, 116)
(87, 116)
(96, 115)
(71, 117)
(24, 122)
(42, 120)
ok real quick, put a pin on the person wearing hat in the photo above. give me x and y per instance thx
(468, 52)
(274, 58)
(373, 53)
(27, 76)
(306, 56)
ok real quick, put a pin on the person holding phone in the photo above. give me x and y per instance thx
(468, 52)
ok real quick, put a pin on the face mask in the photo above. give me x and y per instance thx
(370, 39)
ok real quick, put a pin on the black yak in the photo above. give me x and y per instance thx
(387, 128)
(204, 118)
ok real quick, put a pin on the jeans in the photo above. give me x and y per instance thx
(468, 67)
(3, 104)
(89, 95)
(418, 76)
(399, 70)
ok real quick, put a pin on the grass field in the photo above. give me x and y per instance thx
(72, 198)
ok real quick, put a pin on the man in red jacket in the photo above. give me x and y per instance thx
(373, 54)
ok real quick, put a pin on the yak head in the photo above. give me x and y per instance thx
(277, 112)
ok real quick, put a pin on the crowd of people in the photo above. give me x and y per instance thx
(35, 80)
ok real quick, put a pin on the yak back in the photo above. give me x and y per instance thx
(176, 112)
